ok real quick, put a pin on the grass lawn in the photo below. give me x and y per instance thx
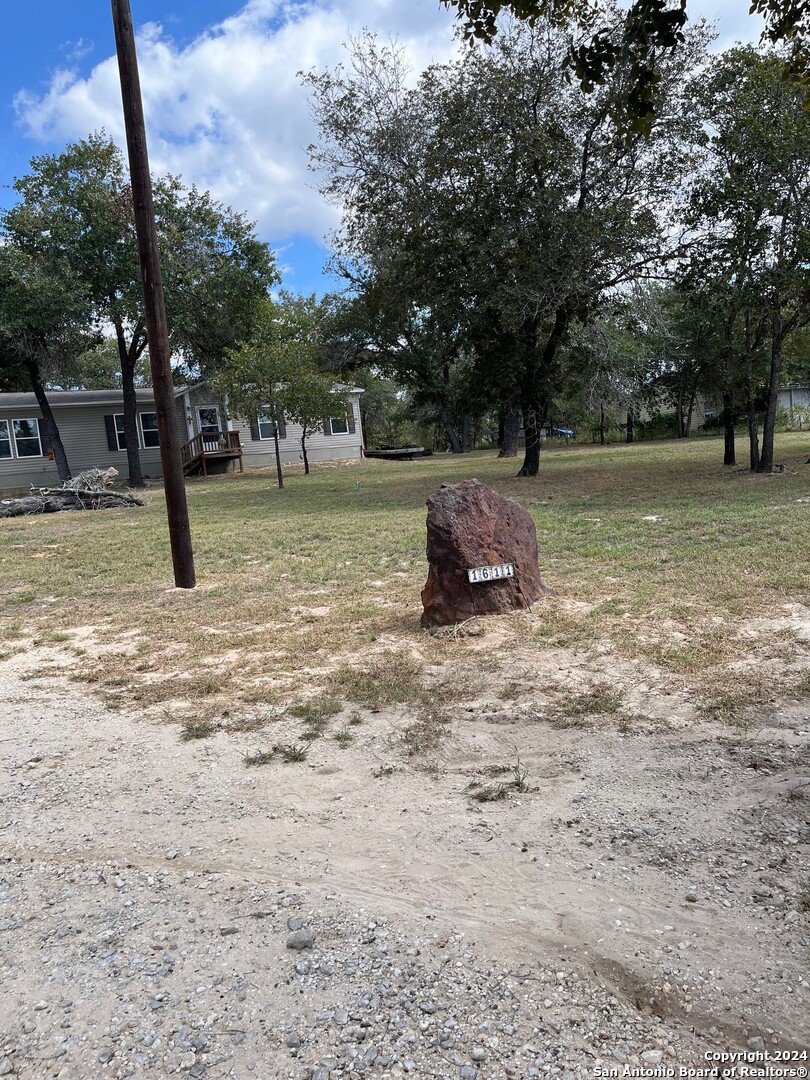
(308, 597)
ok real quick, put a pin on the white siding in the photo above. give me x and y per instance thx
(84, 437)
(792, 396)
(261, 453)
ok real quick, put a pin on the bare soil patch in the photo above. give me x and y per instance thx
(643, 890)
(526, 846)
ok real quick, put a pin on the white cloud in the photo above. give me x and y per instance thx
(227, 111)
(77, 50)
(731, 17)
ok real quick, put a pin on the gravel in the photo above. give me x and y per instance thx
(526, 939)
(159, 991)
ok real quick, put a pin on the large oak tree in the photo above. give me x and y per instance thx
(751, 202)
(496, 202)
(77, 207)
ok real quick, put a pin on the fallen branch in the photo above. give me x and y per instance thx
(91, 480)
(55, 500)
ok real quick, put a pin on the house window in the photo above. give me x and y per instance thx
(339, 425)
(267, 426)
(149, 429)
(5, 439)
(26, 438)
(120, 438)
(208, 417)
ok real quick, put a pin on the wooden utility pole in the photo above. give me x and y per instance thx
(152, 282)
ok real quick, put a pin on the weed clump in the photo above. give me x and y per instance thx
(197, 729)
(288, 752)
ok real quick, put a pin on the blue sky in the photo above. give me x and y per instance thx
(224, 106)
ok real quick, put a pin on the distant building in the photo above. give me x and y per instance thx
(793, 397)
(91, 425)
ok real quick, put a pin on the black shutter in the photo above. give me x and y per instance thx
(43, 436)
(255, 434)
(327, 426)
(109, 424)
(350, 417)
(282, 427)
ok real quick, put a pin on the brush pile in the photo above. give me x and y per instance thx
(90, 490)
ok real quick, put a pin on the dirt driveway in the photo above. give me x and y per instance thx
(166, 910)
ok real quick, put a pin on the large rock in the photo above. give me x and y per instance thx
(470, 525)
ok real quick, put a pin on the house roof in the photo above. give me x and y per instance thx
(62, 398)
(339, 388)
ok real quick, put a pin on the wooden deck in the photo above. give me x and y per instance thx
(203, 449)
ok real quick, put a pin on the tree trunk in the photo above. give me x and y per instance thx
(769, 427)
(602, 438)
(444, 422)
(49, 501)
(680, 415)
(465, 433)
(753, 429)
(304, 434)
(128, 358)
(279, 473)
(131, 424)
(691, 411)
(532, 423)
(536, 388)
(630, 425)
(510, 437)
(60, 457)
(453, 436)
(729, 450)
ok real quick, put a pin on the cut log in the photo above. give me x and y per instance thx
(55, 500)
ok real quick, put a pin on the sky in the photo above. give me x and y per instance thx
(224, 106)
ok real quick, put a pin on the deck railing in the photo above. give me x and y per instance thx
(210, 442)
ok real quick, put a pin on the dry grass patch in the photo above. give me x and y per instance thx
(425, 735)
(318, 710)
(488, 792)
(725, 547)
(285, 752)
(246, 724)
(198, 729)
(580, 708)
(390, 679)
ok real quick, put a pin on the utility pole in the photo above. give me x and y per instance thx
(152, 282)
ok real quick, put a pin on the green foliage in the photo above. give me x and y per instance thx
(751, 208)
(490, 208)
(650, 28)
(307, 392)
(384, 409)
(45, 318)
(45, 325)
(75, 209)
(216, 272)
(276, 371)
(98, 368)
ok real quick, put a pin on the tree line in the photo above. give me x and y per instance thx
(528, 234)
(70, 289)
(511, 240)
(71, 306)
